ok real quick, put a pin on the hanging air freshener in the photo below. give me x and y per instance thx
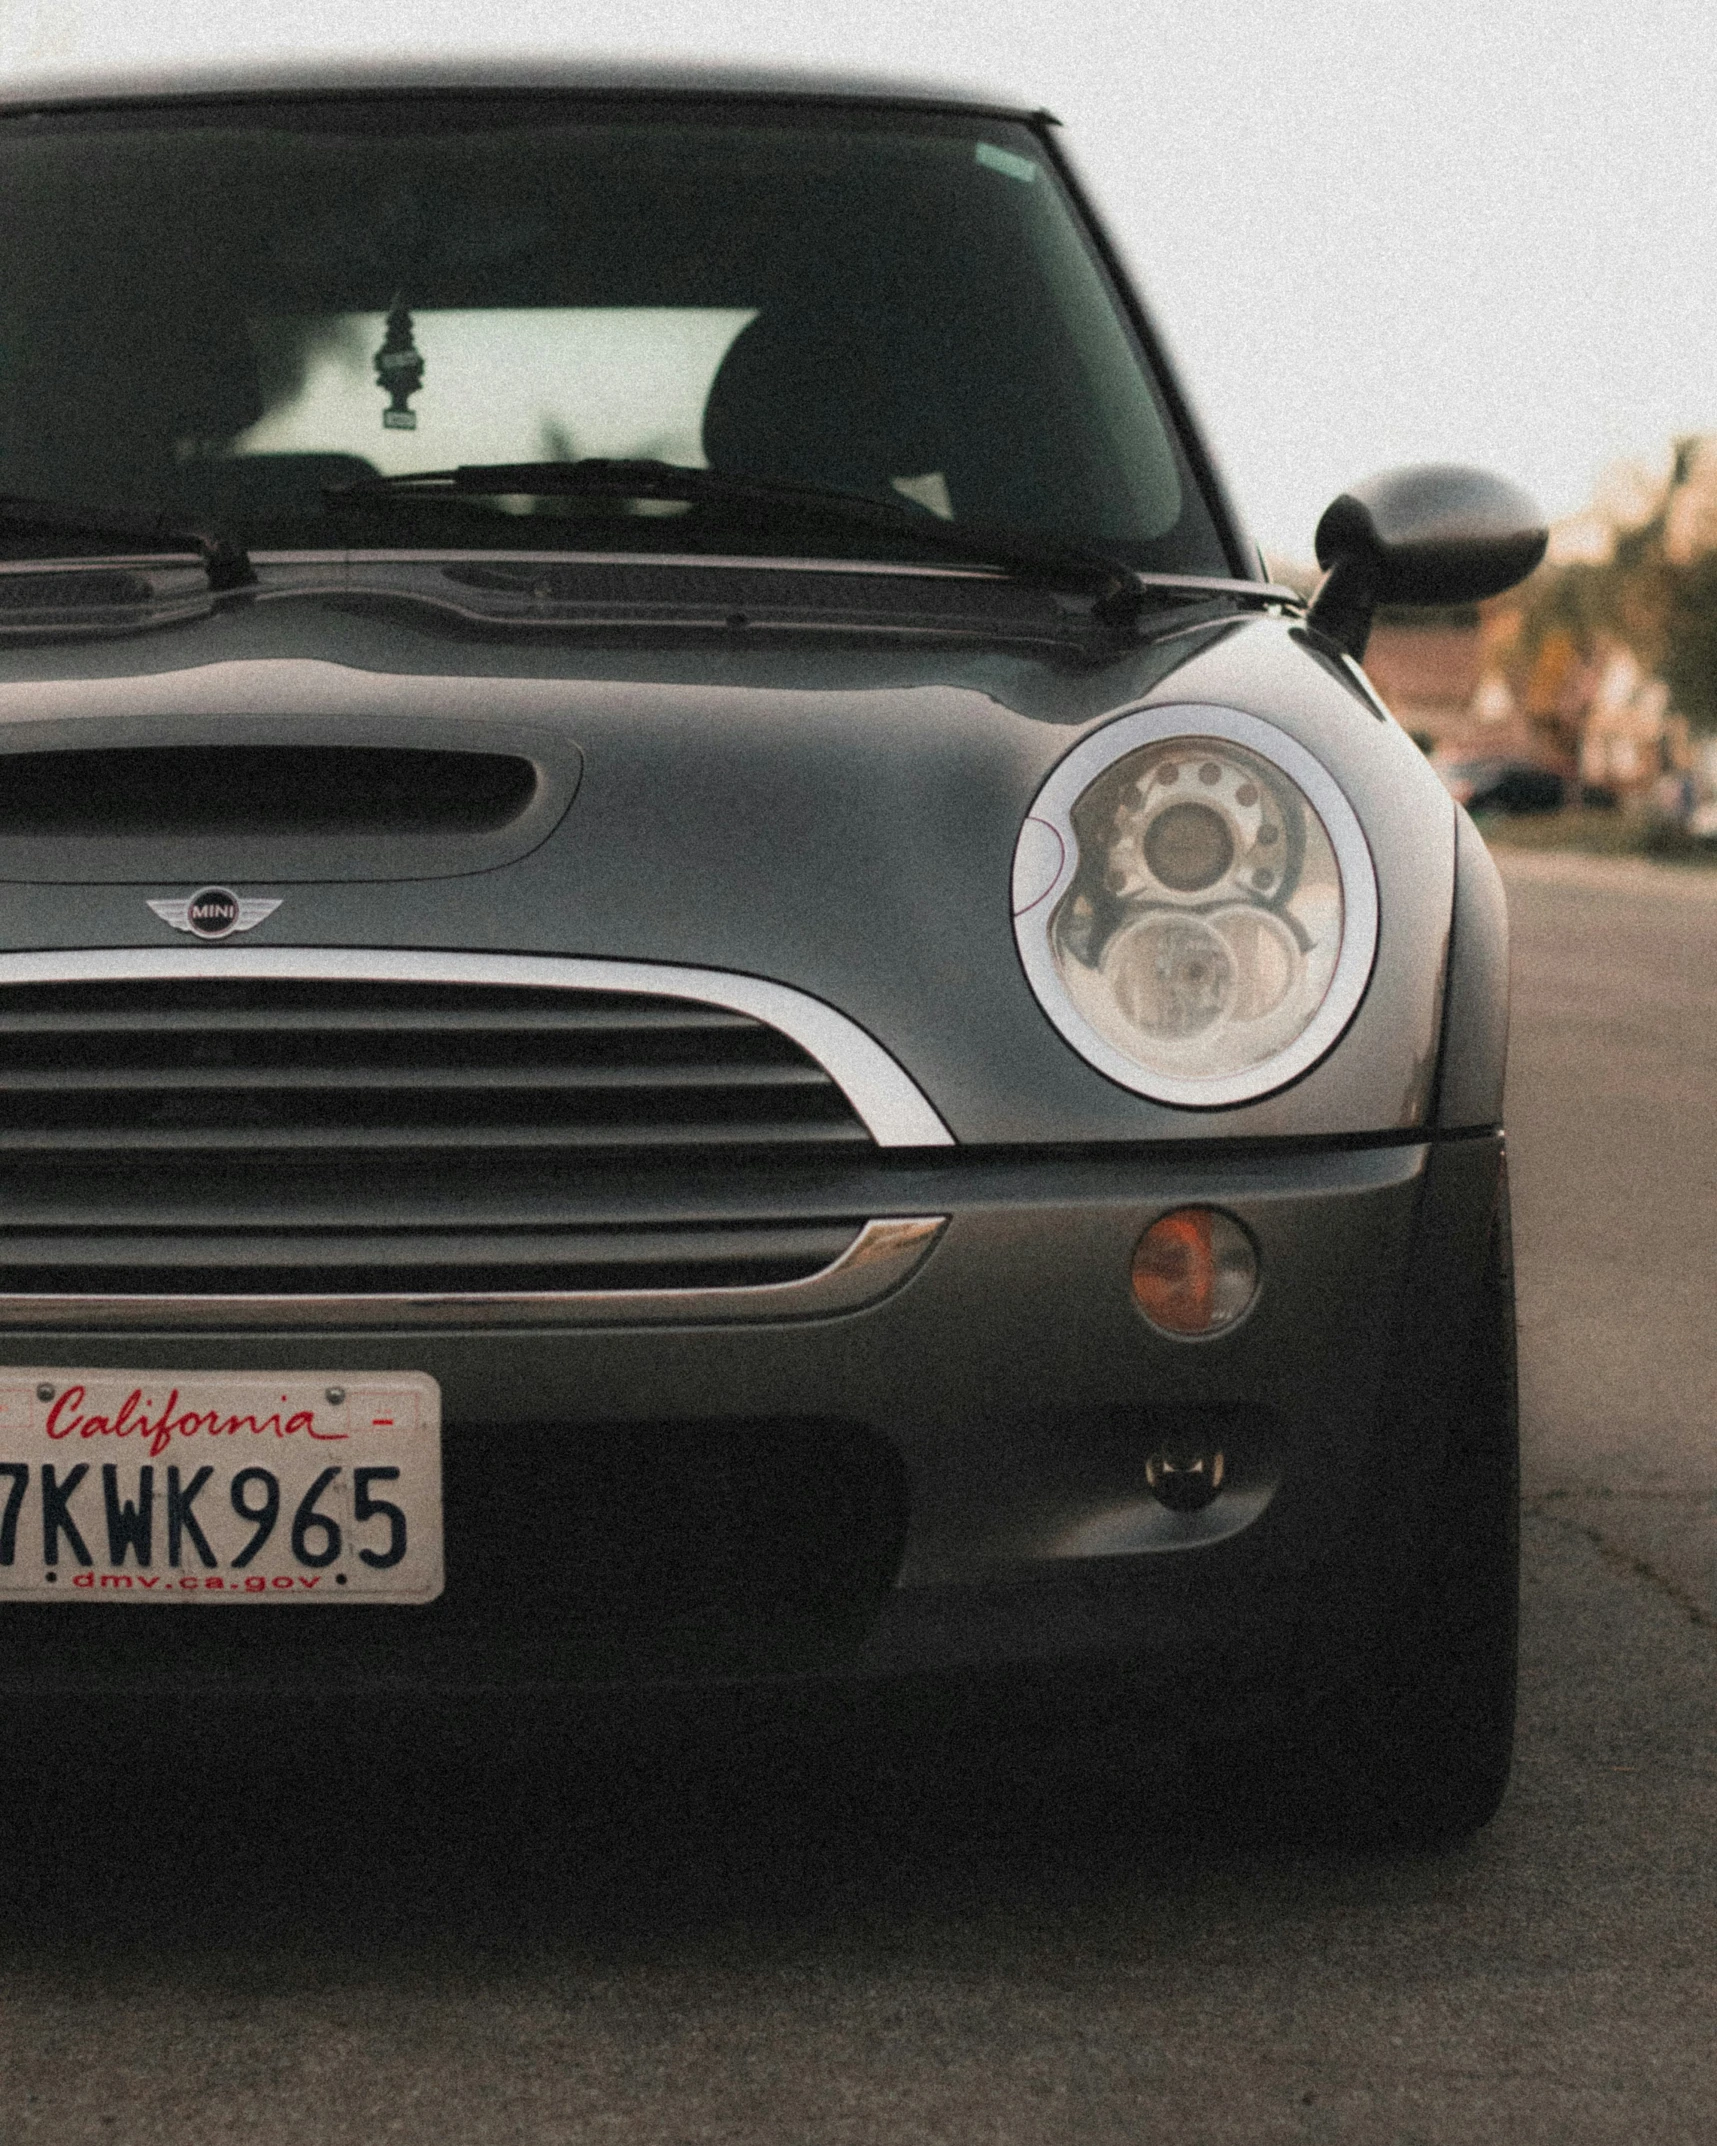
(399, 369)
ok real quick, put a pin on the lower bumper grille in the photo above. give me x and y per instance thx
(764, 1271)
(577, 1556)
(91, 1263)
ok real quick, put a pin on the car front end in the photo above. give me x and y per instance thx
(876, 1114)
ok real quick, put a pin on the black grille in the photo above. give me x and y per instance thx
(202, 1065)
(206, 1137)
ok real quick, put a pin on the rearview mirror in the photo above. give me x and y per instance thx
(1432, 534)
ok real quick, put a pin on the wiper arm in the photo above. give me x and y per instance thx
(131, 529)
(1114, 585)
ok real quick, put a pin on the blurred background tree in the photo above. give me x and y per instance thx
(1639, 569)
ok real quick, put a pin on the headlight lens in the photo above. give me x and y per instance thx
(1196, 910)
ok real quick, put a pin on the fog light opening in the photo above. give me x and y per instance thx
(1194, 1272)
(1185, 1478)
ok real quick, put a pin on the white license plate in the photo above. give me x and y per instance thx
(203, 1487)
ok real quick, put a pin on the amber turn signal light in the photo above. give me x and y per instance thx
(1194, 1272)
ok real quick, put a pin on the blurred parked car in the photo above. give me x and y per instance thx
(1683, 801)
(1504, 785)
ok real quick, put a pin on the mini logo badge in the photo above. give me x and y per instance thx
(213, 913)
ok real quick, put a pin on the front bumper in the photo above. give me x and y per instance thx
(949, 1480)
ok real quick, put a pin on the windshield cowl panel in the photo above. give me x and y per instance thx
(489, 591)
(226, 315)
(486, 591)
(101, 596)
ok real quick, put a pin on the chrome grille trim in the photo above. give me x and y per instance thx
(888, 1103)
(880, 1258)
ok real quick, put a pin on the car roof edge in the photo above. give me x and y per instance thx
(44, 90)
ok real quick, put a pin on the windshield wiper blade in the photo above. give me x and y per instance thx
(133, 530)
(1115, 587)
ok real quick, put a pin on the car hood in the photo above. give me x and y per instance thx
(836, 817)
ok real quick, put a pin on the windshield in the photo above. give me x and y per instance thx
(221, 310)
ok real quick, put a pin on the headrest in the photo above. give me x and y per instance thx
(847, 401)
(198, 370)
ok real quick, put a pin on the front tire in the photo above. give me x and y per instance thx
(1416, 1750)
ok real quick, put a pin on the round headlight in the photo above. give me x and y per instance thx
(1195, 905)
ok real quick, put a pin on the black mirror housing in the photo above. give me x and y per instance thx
(1435, 533)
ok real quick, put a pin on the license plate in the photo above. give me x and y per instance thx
(159, 1486)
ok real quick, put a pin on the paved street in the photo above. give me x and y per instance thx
(327, 1951)
(1613, 1113)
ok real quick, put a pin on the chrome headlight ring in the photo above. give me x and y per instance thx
(1195, 905)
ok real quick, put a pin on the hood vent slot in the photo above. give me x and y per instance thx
(182, 793)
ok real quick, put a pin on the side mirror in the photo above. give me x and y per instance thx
(1432, 534)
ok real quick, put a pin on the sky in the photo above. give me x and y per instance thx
(1372, 231)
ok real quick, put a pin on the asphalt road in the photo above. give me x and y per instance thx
(287, 1940)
